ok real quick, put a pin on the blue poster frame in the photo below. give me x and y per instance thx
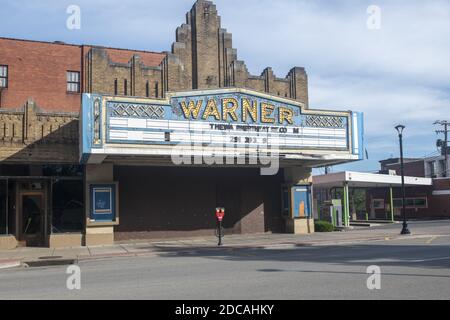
(103, 205)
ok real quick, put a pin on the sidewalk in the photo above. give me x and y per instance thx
(48, 256)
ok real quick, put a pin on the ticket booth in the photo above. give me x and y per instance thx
(301, 201)
(297, 208)
(297, 201)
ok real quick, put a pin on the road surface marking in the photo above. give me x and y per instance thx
(387, 260)
(431, 240)
(431, 259)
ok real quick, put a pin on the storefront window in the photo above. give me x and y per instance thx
(67, 206)
(412, 203)
(62, 170)
(14, 170)
(3, 206)
(398, 203)
(378, 203)
(420, 202)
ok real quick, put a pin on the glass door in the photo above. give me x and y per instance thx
(32, 219)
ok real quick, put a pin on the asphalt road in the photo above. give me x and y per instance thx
(410, 269)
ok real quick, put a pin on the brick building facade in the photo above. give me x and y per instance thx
(202, 57)
(44, 188)
(422, 202)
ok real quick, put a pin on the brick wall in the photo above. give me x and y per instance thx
(38, 70)
(438, 206)
(411, 168)
(411, 192)
(441, 184)
(104, 66)
(202, 57)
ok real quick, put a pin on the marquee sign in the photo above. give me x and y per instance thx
(243, 118)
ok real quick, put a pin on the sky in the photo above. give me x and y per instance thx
(397, 72)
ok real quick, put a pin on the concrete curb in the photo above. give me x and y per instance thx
(8, 264)
(50, 262)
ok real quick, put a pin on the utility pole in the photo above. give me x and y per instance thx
(444, 147)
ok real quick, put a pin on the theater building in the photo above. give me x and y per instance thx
(102, 144)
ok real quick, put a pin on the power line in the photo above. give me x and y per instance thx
(431, 154)
(433, 158)
(437, 174)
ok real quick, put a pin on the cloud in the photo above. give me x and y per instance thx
(334, 39)
(399, 73)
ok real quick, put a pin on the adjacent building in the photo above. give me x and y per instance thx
(99, 144)
(346, 197)
(422, 202)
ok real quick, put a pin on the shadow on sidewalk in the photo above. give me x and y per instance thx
(436, 257)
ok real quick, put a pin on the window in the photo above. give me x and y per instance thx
(115, 87)
(147, 89)
(398, 203)
(420, 202)
(441, 171)
(3, 76)
(3, 207)
(73, 81)
(125, 87)
(7, 205)
(62, 170)
(412, 203)
(378, 203)
(156, 90)
(67, 206)
(431, 170)
(409, 202)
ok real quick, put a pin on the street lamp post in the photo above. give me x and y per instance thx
(405, 229)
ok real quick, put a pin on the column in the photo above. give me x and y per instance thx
(391, 199)
(346, 205)
(97, 233)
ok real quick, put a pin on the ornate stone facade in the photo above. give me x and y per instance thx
(107, 72)
(32, 136)
(202, 57)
